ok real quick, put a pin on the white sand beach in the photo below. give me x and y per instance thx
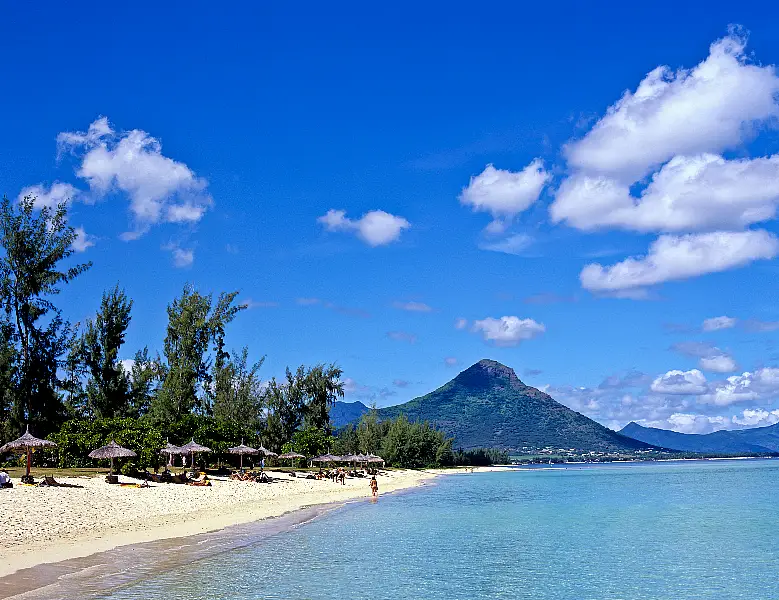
(45, 525)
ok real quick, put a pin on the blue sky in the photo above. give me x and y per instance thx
(331, 163)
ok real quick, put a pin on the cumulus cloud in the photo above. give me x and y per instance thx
(761, 384)
(161, 190)
(721, 363)
(693, 423)
(375, 228)
(673, 257)
(757, 417)
(689, 193)
(83, 240)
(51, 196)
(680, 382)
(709, 108)
(505, 194)
(182, 257)
(508, 331)
(412, 306)
(717, 323)
(710, 358)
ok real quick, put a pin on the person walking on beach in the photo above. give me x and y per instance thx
(374, 486)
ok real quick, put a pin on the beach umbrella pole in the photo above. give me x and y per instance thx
(29, 460)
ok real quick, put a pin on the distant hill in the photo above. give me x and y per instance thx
(739, 441)
(488, 406)
(343, 413)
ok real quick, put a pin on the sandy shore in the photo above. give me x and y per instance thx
(46, 525)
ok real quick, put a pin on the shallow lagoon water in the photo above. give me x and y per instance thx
(677, 530)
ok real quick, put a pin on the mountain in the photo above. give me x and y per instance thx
(343, 413)
(487, 406)
(738, 441)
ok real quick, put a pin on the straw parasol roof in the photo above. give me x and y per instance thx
(374, 459)
(28, 440)
(193, 447)
(242, 450)
(263, 450)
(24, 444)
(325, 458)
(291, 455)
(112, 450)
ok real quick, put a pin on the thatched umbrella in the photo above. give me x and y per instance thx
(112, 450)
(291, 456)
(192, 448)
(374, 459)
(263, 450)
(25, 444)
(170, 450)
(242, 450)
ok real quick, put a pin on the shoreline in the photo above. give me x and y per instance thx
(55, 525)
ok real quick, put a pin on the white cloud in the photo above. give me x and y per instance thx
(83, 240)
(680, 382)
(505, 194)
(717, 323)
(375, 228)
(160, 189)
(461, 323)
(514, 244)
(692, 423)
(757, 417)
(52, 196)
(413, 306)
(707, 109)
(721, 363)
(689, 193)
(673, 257)
(182, 257)
(508, 331)
(761, 384)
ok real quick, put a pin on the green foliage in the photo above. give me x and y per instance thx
(35, 243)
(371, 432)
(208, 431)
(286, 406)
(322, 387)
(481, 457)
(239, 397)
(78, 437)
(193, 324)
(309, 442)
(346, 441)
(144, 377)
(108, 392)
(411, 445)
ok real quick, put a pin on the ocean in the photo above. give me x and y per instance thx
(665, 530)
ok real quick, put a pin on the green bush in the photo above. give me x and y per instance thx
(78, 437)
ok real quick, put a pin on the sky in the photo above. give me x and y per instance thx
(587, 195)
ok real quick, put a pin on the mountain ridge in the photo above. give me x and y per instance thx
(726, 441)
(488, 406)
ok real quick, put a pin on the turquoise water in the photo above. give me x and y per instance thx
(672, 531)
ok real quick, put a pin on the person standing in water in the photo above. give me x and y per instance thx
(374, 486)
